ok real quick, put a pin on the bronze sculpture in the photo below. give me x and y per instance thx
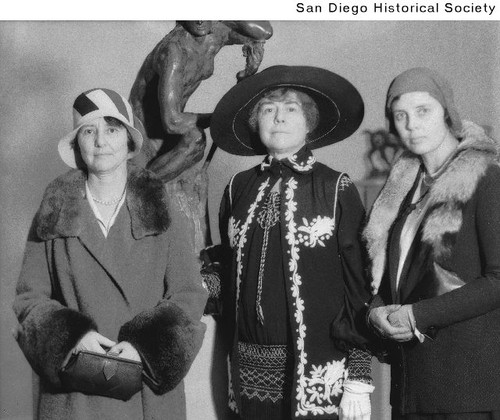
(384, 148)
(169, 76)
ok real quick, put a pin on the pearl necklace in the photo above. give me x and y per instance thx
(111, 202)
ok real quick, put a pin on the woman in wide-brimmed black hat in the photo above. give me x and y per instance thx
(290, 226)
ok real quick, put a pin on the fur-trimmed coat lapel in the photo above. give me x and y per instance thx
(65, 212)
(447, 195)
(64, 207)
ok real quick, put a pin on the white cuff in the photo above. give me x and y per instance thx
(355, 403)
(413, 324)
(357, 387)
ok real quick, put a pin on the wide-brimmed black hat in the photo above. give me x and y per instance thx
(340, 106)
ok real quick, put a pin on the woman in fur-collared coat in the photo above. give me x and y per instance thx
(434, 241)
(105, 270)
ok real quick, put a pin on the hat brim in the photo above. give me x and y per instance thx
(66, 148)
(341, 108)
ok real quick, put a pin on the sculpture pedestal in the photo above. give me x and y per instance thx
(206, 381)
(381, 372)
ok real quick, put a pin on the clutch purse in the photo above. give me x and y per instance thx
(102, 374)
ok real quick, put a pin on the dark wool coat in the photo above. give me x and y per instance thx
(140, 284)
(452, 280)
(320, 216)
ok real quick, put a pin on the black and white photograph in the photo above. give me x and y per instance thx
(252, 219)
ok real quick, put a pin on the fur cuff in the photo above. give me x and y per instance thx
(168, 342)
(47, 340)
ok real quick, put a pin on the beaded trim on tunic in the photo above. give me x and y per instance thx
(263, 371)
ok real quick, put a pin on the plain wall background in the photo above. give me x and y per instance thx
(44, 65)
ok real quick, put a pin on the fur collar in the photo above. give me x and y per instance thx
(61, 213)
(447, 195)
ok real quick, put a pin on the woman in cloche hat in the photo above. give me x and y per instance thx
(104, 271)
(290, 228)
(434, 243)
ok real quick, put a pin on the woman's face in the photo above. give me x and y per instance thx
(103, 145)
(282, 125)
(419, 119)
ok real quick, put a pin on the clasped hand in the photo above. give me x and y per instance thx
(93, 341)
(393, 321)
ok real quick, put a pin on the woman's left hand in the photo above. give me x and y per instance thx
(125, 350)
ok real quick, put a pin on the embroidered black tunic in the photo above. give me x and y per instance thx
(296, 262)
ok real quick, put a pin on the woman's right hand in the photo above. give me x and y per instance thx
(91, 341)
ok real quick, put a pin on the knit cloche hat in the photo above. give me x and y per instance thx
(423, 79)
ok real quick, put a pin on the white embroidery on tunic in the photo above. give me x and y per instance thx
(301, 166)
(323, 383)
(263, 373)
(242, 238)
(315, 389)
(233, 231)
(315, 233)
(266, 163)
(345, 182)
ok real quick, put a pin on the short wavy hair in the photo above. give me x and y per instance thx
(309, 106)
(114, 122)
